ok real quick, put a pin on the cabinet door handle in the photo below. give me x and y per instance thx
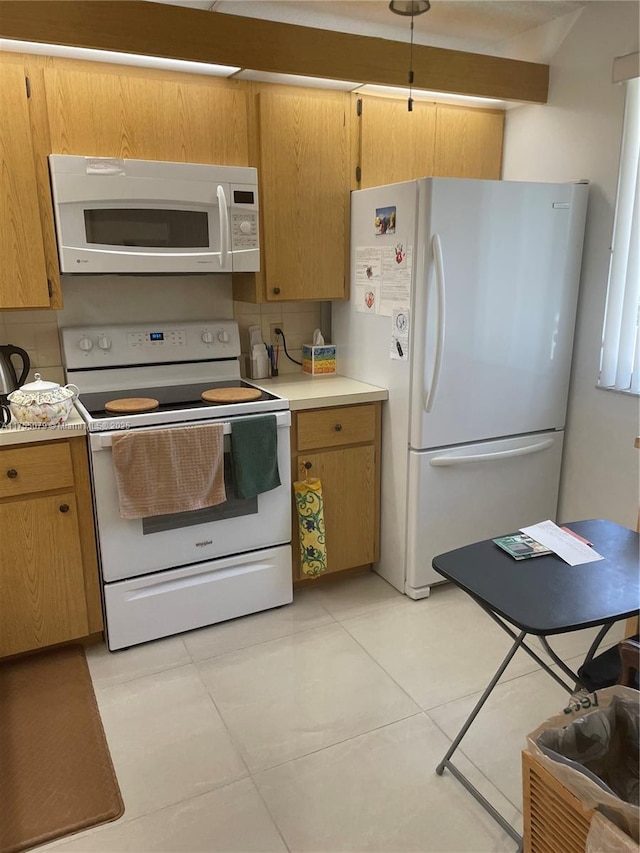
(307, 465)
(12, 473)
(338, 427)
(64, 507)
(276, 290)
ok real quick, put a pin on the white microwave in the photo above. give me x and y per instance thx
(145, 216)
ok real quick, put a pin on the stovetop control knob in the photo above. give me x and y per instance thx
(207, 337)
(85, 344)
(223, 337)
(104, 342)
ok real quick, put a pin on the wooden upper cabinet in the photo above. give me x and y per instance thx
(303, 169)
(23, 267)
(468, 142)
(146, 116)
(431, 140)
(395, 144)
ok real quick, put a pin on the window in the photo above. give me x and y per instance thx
(620, 362)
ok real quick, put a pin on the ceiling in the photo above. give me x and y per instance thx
(481, 26)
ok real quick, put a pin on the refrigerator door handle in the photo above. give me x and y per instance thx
(436, 247)
(442, 461)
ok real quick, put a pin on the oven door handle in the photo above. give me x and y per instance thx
(102, 440)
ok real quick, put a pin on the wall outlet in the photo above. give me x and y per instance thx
(276, 339)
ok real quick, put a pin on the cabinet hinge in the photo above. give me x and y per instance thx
(359, 107)
(358, 174)
(27, 84)
(50, 287)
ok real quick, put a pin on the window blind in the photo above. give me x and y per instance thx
(620, 363)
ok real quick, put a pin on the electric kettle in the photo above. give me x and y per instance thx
(9, 379)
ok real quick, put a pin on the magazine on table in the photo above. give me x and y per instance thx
(521, 547)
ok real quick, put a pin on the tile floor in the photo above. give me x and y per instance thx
(318, 726)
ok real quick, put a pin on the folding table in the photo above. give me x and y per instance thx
(544, 596)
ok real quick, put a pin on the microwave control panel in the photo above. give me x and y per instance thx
(244, 230)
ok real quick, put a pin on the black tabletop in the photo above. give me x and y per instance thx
(545, 595)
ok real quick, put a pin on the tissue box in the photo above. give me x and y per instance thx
(319, 361)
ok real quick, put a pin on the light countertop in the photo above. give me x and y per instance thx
(302, 391)
(14, 434)
(316, 392)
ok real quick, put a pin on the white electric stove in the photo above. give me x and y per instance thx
(172, 573)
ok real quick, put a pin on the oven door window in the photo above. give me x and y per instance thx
(149, 228)
(231, 508)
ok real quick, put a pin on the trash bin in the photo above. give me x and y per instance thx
(583, 760)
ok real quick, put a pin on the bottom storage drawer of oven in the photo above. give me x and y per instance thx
(177, 600)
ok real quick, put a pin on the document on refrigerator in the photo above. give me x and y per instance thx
(569, 548)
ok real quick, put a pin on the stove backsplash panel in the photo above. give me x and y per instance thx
(91, 300)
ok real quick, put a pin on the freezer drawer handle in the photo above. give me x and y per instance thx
(437, 363)
(442, 461)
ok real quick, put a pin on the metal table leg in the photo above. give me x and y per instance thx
(460, 776)
(518, 643)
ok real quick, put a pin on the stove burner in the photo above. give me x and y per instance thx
(171, 398)
(131, 405)
(230, 395)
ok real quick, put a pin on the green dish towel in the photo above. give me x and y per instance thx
(254, 451)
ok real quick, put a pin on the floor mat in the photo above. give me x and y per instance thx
(56, 772)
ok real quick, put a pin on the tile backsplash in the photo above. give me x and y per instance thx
(37, 333)
(298, 320)
(110, 299)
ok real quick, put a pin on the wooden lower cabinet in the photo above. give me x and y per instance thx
(341, 447)
(49, 590)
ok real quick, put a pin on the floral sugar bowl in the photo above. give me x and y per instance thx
(42, 403)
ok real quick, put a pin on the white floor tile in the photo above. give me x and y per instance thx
(298, 694)
(167, 740)
(228, 820)
(304, 613)
(360, 594)
(438, 649)
(114, 667)
(499, 733)
(379, 792)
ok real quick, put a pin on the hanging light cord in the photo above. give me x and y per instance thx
(410, 7)
(410, 101)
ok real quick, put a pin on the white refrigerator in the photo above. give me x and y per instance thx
(462, 303)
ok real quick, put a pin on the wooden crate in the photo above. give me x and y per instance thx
(554, 819)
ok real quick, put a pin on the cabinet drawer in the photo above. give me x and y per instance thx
(35, 468)
(335, 427)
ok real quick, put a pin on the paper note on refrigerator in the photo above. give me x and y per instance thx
(367, 279)
(395, 280)
(566, 546)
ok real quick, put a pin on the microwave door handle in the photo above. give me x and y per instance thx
(224, 226)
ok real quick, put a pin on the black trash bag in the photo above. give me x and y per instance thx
(604, 670)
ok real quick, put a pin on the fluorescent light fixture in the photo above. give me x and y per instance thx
(424, 95)
(295, 80)
(118, 58)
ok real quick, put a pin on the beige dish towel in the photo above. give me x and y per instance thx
(169, 470)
